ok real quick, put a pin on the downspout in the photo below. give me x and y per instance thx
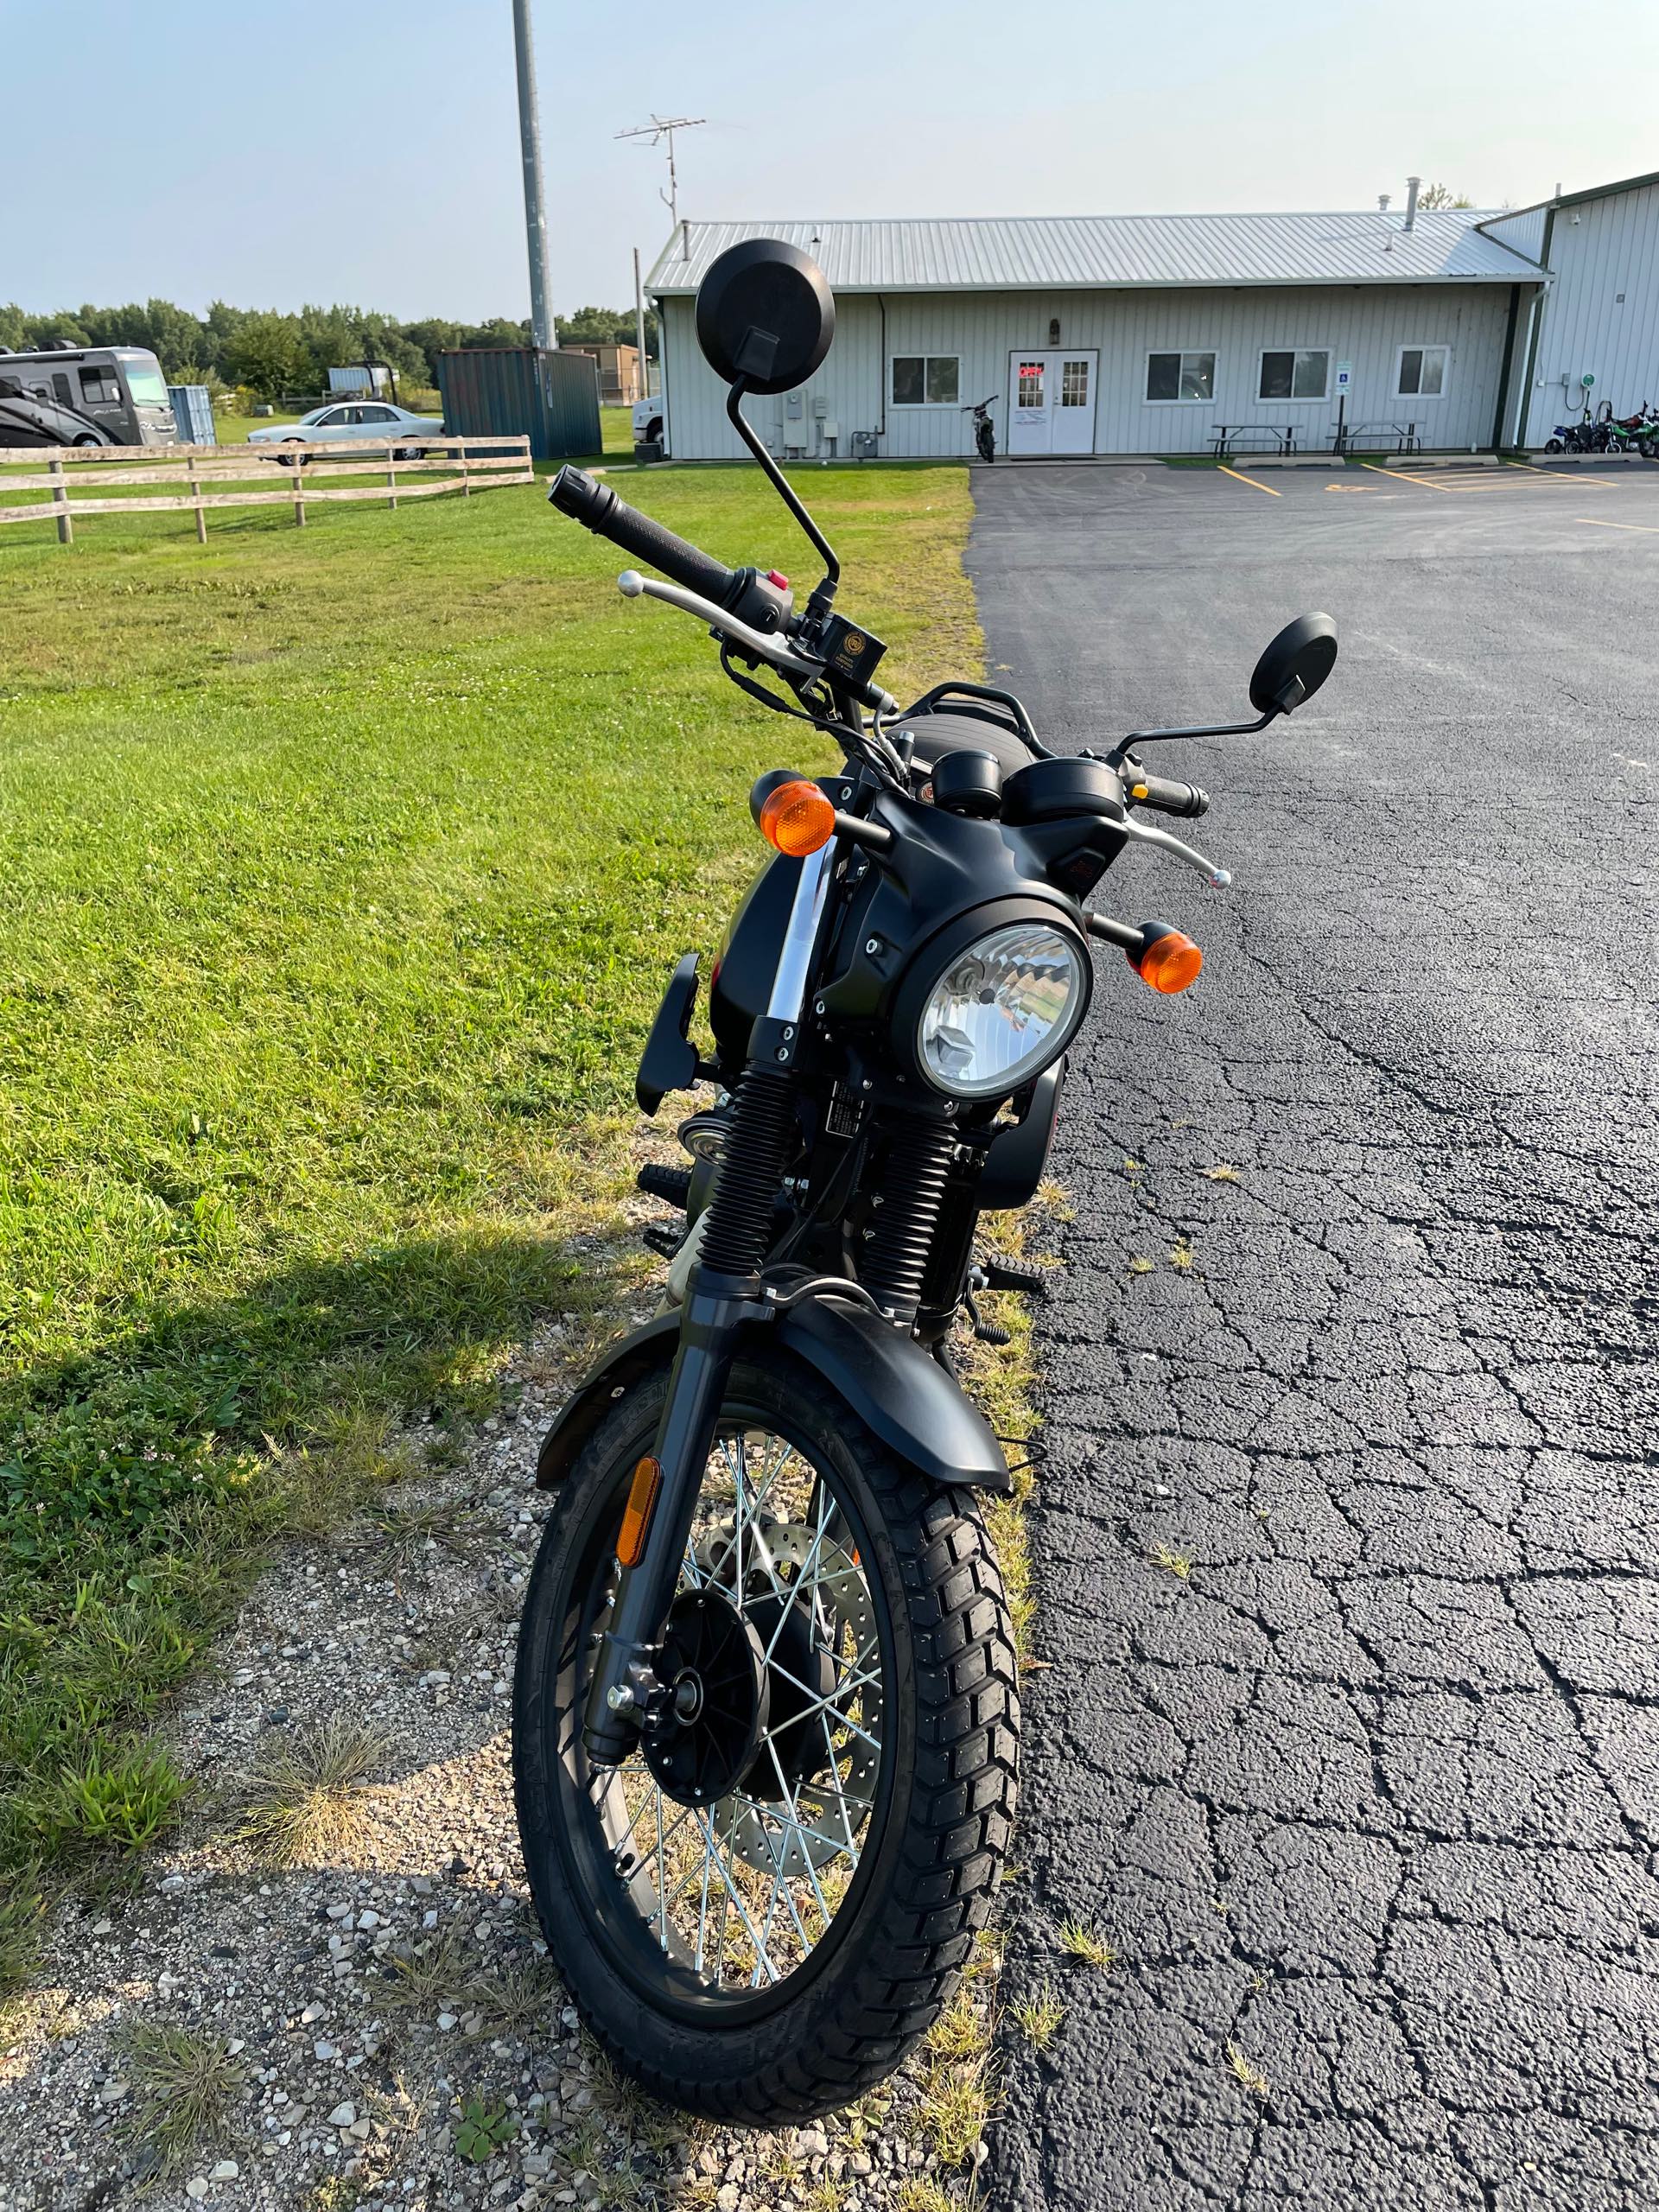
(1509, 365)
(881, 428)
(1539, 299)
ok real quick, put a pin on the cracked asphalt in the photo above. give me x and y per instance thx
(1367, 1799)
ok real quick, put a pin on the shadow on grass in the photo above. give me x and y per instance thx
(143, 1481)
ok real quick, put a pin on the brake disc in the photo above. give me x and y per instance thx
(772, 1840)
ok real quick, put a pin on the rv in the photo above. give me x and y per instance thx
(84, 396)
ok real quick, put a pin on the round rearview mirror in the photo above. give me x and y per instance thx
(1295, 665)
(765, 314)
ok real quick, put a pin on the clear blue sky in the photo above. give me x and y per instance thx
(365, 150)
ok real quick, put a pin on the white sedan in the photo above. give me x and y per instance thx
(355, 418)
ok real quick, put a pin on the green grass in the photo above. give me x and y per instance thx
(344, 867)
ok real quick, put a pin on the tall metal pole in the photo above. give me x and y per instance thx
(640, 329)
(530, 134)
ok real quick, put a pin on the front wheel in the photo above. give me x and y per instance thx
(760, 1912)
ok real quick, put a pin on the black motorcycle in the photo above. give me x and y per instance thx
(765, 1715)
(984, 428)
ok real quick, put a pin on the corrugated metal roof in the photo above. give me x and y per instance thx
(1053, 252)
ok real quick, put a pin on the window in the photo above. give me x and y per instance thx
(1030, 393)
(146, 386)
(925, 380)
(1074, 384)
(376, 415)
(332, 417)
(61, 385)
(1180, 375)
(1422, 372)
(98, 385)
(1295, 375)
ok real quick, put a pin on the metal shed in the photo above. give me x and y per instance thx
(193, 411)
(505, 391)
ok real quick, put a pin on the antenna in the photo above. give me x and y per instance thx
(661, 127)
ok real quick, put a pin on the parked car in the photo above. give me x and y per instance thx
(357, 418)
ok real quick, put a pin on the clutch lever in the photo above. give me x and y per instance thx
(632, 585)
(1144, 833)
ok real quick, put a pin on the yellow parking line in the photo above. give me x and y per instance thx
(1427, 482)
(1566, 478)
(1597, 522)
(1250, 480)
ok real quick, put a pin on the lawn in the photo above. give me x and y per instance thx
(344, 867)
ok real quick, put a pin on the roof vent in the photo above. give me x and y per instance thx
(1413, 186)
(1382, 200)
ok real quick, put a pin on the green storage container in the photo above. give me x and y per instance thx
(507, 391)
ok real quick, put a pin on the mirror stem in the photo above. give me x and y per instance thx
(824, 597)
(1114, 758)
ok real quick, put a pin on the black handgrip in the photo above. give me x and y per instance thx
(597, 507)
(1163, 792)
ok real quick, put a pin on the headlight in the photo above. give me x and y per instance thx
(1006, 1005)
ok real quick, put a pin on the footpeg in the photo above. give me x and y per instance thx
(1001, 1273)
(662, 1236)
(988, 1333)
(657, 1180)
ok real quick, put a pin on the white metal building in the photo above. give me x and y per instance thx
(1153, 333)
(1597, 315)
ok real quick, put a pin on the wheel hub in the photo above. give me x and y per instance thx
(714, 1662)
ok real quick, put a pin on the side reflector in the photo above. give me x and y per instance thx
(1170, 963)
(798, 818)
(636, 1516)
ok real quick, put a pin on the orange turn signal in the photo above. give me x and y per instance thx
(798, 818)
(1170, 963)
(636, 1514)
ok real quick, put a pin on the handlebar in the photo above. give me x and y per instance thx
(1187, 800)
(597, 507)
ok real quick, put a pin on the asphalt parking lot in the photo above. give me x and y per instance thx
(1349, 1530)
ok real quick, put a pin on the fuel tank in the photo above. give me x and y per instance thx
(741, 981)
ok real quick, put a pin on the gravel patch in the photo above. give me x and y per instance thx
(382, 2015)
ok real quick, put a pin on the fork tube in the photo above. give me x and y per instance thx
(723, 1293)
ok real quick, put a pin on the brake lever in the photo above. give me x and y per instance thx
(1144, 833)
(632, 585)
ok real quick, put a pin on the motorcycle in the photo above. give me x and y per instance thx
(766, 1710)
(984, 428)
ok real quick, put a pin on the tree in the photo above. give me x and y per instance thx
(605, 326)
(1441, 195)
(267, 353)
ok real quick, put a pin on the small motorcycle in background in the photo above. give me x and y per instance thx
(984, 428)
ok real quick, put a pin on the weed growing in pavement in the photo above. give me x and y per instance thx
(1082, 1941)
(185, 2087)
(1251, 2075)
(1176, 1563)
(1038, 2017)
(307, 1801)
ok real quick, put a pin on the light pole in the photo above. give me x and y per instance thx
(542, 333)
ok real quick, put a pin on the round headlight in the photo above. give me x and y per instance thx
(1006, 1006)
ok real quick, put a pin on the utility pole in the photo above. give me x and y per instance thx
(542, 333)
(664, 127)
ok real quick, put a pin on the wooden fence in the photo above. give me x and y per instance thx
(465, 465)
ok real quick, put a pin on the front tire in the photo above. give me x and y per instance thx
(858, 1879)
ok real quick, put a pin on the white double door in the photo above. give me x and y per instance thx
(1051, 401)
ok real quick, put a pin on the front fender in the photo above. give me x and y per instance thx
(899, 1391)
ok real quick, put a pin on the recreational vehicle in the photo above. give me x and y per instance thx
(84, 396)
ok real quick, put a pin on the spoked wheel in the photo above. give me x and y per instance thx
(761, 1908)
